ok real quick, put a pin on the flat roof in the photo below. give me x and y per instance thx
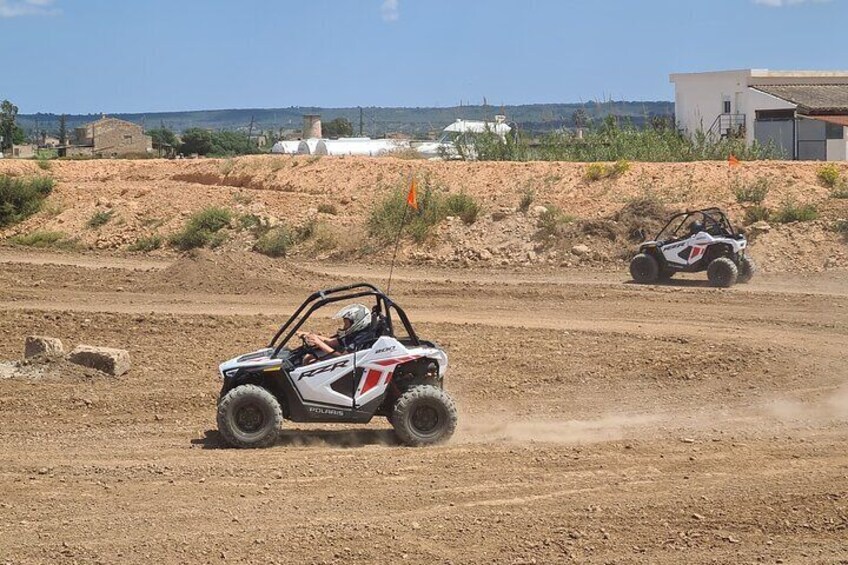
(765, 73)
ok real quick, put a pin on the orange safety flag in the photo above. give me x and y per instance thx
(732, 160)
(412, 197)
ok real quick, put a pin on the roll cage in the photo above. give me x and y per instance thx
(321, 298)
(714, 220)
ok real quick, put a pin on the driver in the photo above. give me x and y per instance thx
(356, 320)
(696, 227)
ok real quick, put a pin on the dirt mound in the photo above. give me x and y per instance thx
(155, 198)
(236, 272)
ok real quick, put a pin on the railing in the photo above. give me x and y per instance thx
(727, 126)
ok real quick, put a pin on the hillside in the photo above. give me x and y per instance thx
(376, 120)
(156, 197)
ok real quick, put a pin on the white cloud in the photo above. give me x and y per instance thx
(780, 3)
(389, 10)
(15, 8)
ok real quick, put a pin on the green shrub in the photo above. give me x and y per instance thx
(40, 239)
(146, 243)
(754, 193)
(462, 205)
(388, 214)
(202, 229)
(21, 198)
(551, 222)
(755, 214)
(43, 164)
(99, 218)
(792, 212)
(828, 175)
(211, 219)
(596, 171)
(274, 243)
(249, 222)
(841, 226)
(327, 209)
(527, 198)
(840, 190)
(320, 236)
(619, 168)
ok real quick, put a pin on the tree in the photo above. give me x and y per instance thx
(580, 118)
(340, 127)
(196, 140)
(162, 138)
(232, 143)
(63, 130)
(9, 131)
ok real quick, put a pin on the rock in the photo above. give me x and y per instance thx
(114, 362)
(485, 255)
(538, 210)
(760, 227)
(40, 345)
(580, 250)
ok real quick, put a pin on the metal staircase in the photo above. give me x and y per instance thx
(727, 126)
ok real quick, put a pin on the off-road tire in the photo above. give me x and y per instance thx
(722, 272)
(644, 269)
(424, 415)
(249, 416)
(746, 268)
(666, 274)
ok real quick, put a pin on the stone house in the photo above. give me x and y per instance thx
(110, 137)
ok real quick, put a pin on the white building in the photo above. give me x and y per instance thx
(804, 113)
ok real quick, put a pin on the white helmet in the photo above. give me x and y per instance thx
(359, 316)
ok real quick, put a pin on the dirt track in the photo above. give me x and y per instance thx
(601, 422)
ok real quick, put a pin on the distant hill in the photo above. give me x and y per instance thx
(377, 121)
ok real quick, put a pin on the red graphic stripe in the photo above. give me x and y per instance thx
(371, 380)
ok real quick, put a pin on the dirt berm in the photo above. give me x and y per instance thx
(156, 197)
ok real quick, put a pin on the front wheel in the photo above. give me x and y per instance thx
(644, 268)
(722, 272)
(424, 415)
(747, 268)
(249, 416)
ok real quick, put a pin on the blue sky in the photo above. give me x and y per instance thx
(80, 56)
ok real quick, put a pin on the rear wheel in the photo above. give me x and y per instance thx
(424, 415)
(249, 416)
(644, 268)
(747, 268)
(722, 272)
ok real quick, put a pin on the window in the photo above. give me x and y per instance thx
(834, 131)
(726, 107)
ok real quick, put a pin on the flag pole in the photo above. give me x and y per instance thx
(397, 244)
(411, 202)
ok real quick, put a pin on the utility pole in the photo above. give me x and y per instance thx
(360, 121)
(250, 129)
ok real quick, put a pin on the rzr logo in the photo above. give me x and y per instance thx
(325, 369)
(384, 350)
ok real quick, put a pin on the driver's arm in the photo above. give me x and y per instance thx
(327, 345)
